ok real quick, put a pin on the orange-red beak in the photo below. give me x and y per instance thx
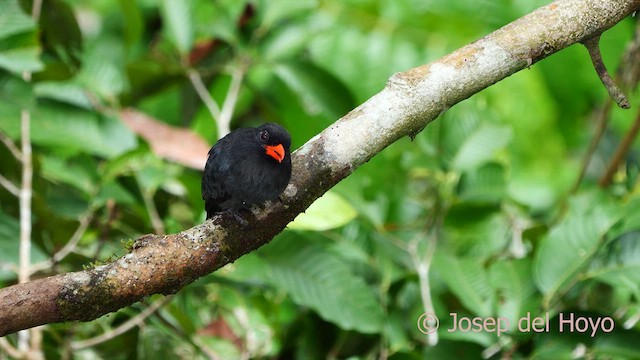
(275, 151)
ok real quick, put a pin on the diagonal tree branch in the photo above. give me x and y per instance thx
(165, 263)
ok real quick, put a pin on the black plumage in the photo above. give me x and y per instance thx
(248, 166)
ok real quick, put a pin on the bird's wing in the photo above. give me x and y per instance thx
(213, 187)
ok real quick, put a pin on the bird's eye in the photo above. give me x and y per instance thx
(264, 135)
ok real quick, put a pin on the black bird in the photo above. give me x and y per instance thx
(248, 166)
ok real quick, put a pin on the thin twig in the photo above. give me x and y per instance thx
(71, 245)
(156, 221)
(9, 186)
(628, 72)
(122, 328)
(25, 214)
(601, 126)
(11, 146)
(592, 45)
(223, 116)
(36, 9)
(627, 76)
(203, 93)
(422, 261)
(517, 248)
(230, 101)
(27, 339)
(8, 267)
(187, 338)
(35, 344)
(25, 199)
(10, 349)
(422, 266)
(620, 153)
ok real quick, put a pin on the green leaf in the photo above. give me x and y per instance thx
(330, 211)
(15, 95)
(571, 244)
(10, 237)
(218, 19)
(113, 191)
(486, 184)
(126, 163)
(13, 20)
(461, 123)
(73, 130)
(318, 90)
(66, 92)
(66, 203)
(20, 60)
(482, 146)
(468, 280)
(318, 279)
(624, 345)
(513, 282)
(177, 20)
(477, 231)
(103, 70)
(79, 174)
(20, 52)
(133, 20)
(619, 265)
(152, 342)
(279, 10)
(631, 220)
(286, 42)
(63, 36)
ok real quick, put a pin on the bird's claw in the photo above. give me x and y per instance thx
(236, 215)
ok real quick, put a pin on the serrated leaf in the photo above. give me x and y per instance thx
(330, 211)
(318, 279)
(481, 146)
(571, 244)
(468, 280)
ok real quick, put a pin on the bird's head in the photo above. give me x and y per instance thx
(275, 140)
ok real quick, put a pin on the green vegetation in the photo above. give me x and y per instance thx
(477, 216)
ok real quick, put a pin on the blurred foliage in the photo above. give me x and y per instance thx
(481, 200)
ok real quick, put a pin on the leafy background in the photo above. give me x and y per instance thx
(477, 216)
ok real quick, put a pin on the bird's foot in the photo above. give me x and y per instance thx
(236, 215)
